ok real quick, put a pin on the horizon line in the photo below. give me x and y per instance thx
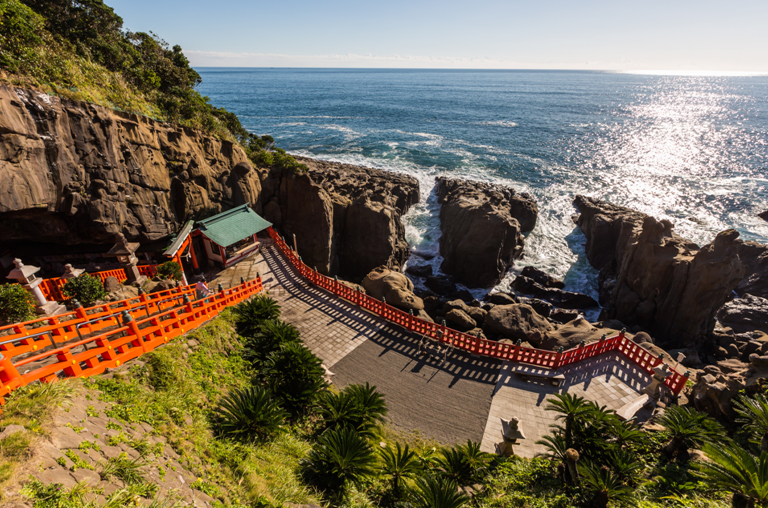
(659, 72)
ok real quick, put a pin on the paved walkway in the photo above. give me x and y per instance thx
(451, 401)
(610, 380)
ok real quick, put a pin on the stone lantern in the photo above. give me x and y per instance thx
(660, 373)
(125, 253)
(70, 272)
(511, 432)
(25, 275)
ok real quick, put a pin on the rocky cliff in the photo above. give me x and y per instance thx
(347, 219)
(75, 173)
(482, 226)
(651, 277)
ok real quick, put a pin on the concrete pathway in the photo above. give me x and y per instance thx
(463, 397)
(610, 380)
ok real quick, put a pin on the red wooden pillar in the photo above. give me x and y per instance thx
(223, 255)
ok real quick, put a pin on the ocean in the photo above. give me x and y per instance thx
(691, 149)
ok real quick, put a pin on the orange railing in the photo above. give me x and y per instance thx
(138, 325)
(51, 288)
(512, 352)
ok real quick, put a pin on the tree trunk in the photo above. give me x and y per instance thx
(764, 443)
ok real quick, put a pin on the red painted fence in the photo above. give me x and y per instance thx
(28, 350)
(51, 288)
(515, 353)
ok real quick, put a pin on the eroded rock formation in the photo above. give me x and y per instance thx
(74, 172)
(482, 226)
(359, 211)
(652, 277)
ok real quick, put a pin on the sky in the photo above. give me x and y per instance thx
(670, 35)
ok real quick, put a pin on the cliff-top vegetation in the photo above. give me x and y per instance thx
(79, 50)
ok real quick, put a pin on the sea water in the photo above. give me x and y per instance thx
(691, 149)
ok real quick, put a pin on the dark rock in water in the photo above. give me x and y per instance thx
(460, 319)
(540, 306)
(419, 270)
(558, 297)
(542, 278)
(745, 314)
(441, 284)
(517, 321)
(423, 254)
(563, 315)
(502, 299)
(463, 295)
(763, 215)
(482, 227)
(660, 281)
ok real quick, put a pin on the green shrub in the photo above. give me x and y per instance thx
(86, 289)
(295, 375)
(169, 270)
(16, 304)
(19, 35)
(250, 415)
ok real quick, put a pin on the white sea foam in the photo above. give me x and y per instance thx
(498, 123)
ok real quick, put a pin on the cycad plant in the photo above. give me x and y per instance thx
(452, 465)
(738, 471)
(602, 486)
(687, 429)
(432, 492)
(753, 414)
(370, 402)
(570, 408)
(250, 415)
(399, 464)
(339, 410)
(250, 314)
(557, 452)
(340, 456)
(267, 338)
(356, 406)
(295, 375)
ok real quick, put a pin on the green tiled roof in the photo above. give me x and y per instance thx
(233, 225)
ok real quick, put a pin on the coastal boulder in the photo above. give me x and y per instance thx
(460, 319)
(517, 320)
(745, 314)
(763, 215)
(558, 297)
(482, 226)
(395, 287)
(541, 277)
(571, 335)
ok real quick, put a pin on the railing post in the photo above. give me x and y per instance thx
(133, 329)
(79, 310)
(558, 355)
(10, 375)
